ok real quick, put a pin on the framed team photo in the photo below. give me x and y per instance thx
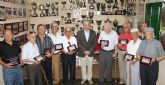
(15, 28)
(25, 25)
(15, 13)
(21, 28)
(8, 13)
(20, 12)
(8, 26)
(2, 13)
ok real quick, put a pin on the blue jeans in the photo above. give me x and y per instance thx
(13, 76)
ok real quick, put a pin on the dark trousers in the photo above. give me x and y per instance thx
(68, 63)
(105, 66)
(47, 66)
(149, 73)
(35, 74)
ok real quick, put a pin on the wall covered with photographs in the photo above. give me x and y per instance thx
(13, 15)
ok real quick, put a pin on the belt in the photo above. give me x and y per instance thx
(107, 50)
(122, 50)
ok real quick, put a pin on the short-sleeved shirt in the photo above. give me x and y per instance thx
(151, 49)
(9, 51)
(30, 51)
(47, 43)
(112, 37)
(124, 36)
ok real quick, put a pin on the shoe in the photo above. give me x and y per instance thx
(83, 82)
(90, 82)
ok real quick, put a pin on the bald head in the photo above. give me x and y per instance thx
(86, 25)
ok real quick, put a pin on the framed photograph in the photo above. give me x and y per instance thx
(128, 57)
(25, 25)
(24, 13)
(104, 43)
(21, 26)
(1, 30)
(72, 48)
(38, 58)
(15, 28)
(58, 46)
(145, 60)
(2, 13)
(15, 13)
(14, 60)
(8, 13)
(8, 26)
(47, 51)
(123, 41)
(20, 12)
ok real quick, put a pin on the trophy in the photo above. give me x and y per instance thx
(98, 25)
(62, 17)
(58, 22)
(41, 7)
(109, 7)
(69, 21)
(34, 8)
(115, 24)
(77, 26)
(56, 8)
(91, 14)
(70, 1)
(115, 5)
(73, 29)
(71, 7)
(73, 20)
(98, 6)
(47, 9)
(103, 8)
(78, 4)
(32, 26)
(107, 20)
(63, 3)
(84, 5)
(83, 18)
(62, 30)
(122, 4)
(53, 9)
(47, 27)
(109, 1)
(92, 6)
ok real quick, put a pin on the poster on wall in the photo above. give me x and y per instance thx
(20, 26)
(1, 30)
(8, 13)
(15, 28)
(20, 12)
(2, 13)
(25, 25)
(15, 13)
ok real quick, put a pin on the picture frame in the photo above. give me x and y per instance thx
(58, 46)
(21, 26)
(24, 13)
(128, 57)
(25, 25)
(1, 30)
(8, 13)
(39, 58)
(15, 13)
(123, 41)
(2, 13)
(8, 26)
(104, 43)
(20, 12)
(15, 28)
(72, 48)
(145, 60)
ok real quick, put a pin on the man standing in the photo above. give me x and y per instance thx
(56, 38)
(10, 60)
(150, 49)
(124, 38)
(108, 40)
(143, 27)
(86, 40)
(29, 52)
(68, 57)
(45, 46)
(132, 66)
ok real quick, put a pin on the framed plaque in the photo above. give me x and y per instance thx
(20, 26)
(128, 57)
(104, 43)
(8, 13)
(58, 46)
(14, 60)
(145, 60)
(25, 25)
(47, 51)
(39, 58)
(2, 13)
(72, 47)
(1, 30)
(123, 41)
(15, 28)
(8, 26)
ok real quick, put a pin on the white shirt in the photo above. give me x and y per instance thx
(29, 51)
(87, 34)
(66, 41)
(56, 39)
(133, 47)
(112, 37)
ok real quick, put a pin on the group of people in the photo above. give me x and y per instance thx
(43, 53)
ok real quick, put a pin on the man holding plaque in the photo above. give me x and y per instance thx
(56, 38)
(150, 52)
(132, 66)
(86, 40)
(10, 60)
(29, 52)
(108, 41)
(124, 38)
(68, 57)
(46, 49)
